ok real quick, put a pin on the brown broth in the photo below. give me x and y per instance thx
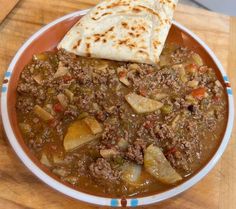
(45, 138)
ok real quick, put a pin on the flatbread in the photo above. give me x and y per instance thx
(122, 30)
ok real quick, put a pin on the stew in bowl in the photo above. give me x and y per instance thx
(106, 129)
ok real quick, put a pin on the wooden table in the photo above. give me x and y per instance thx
(19, 188)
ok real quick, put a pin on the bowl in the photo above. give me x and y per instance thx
(46, 39)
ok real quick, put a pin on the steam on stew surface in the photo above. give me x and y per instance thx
(121, 128)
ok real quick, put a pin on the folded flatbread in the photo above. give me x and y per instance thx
(122, 30)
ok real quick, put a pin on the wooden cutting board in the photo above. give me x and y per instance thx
(20, 189)
(6, 7)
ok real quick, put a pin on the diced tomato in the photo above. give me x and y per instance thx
(192, 68)
(143, 91)
(203, 69)
(58, 107)
(170, 151)
(67, 78)
(53, 123)
(149, 71)
(149, 124)
(122, 74)
(198, 93)
(216, 98)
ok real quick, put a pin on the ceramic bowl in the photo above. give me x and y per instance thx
(46, 39)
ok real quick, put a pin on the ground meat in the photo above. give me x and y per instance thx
(72, 112)
(178, 161)
(180, 55)
(102, 170)
(191, 127)
(82, 163)
(135, 151)
(111, 135)
(210, 122)
(169, 78)
(163, 131)
(59, 130)
(195, 111)
(25, 104)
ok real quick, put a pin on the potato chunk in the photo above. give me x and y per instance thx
(131, 173)
(61, 71)
(158, 166)
(122, 74)
(93, 124)
(142, 104)
(38, 78)
(62, 99)
(41, 113)
(44, 160)
(78, 133)
(108, 153)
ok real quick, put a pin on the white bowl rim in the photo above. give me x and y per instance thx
(103, 200)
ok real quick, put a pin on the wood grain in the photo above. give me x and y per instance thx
(6, 7)
(19, 189)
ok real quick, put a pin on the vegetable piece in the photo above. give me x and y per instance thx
(191, 68)
(167, 109)
(108, 153)
(61, 171)
(102, 65)
(218, 83)
(183, 76)
(158, 166)
(118, 160)
(49, 108)
(41, 113)
(93, 124)
(202, 69)
(142, 104)
(38, 78)
(134, 66)
(198, 93)
(44, 160)
(63, 100)
(51, 91)
(69, 94)
(142, 91)
(182, 73)
(191, 99)
(131, 173)
(123, 144)
(77, 134)
(57, 158)
(170, 151)
(122, 75)
(40, 57)
(197, 59)
(193, 83)
(61, 70)
(83, 115)
(67, 78)
(164, 60)
(159, 96)
(58, 107)
(174, 122)
(25, 128)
